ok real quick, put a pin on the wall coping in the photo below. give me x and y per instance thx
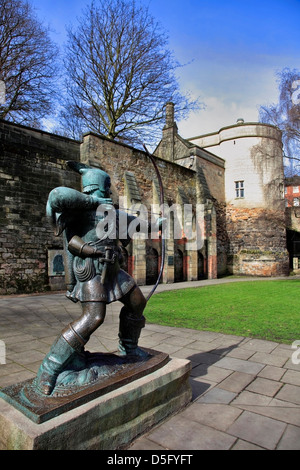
(236, 131)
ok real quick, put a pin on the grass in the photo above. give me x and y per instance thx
(258, 309)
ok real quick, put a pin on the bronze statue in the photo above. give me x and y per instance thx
(93, 273)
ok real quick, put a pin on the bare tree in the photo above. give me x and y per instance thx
(120, 73)
(27, 64)
(286, 116)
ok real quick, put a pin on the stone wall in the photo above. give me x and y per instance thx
(255, 230)
(32, 163)
(117, 159)
(256, 242)
(243, 238)
(134, 181)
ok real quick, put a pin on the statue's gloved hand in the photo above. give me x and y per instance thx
(96, 199)
(158, 224)
(80, 248)
(100, 200)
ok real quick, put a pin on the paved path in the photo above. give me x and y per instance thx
(246, 392)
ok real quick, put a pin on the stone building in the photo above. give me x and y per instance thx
(241, 170)
(254, 196)
(231, 182)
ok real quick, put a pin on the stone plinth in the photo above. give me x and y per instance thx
(108, 422)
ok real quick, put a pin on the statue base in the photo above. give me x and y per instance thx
(101, 373)
(101, 417)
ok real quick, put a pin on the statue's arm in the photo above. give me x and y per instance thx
(64, 199)
(63, 204)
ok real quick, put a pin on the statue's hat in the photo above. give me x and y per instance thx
(92, 178)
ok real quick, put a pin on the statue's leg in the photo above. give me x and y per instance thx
(93, 315)
(69, 343)
(131, 323)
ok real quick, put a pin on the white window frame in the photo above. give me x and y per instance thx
(239, 189)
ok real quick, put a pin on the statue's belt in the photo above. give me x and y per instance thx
(87, 271)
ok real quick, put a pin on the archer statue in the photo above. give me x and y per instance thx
(93, 273)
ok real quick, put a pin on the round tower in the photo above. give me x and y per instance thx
(254, 193)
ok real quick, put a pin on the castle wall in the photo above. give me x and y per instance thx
(245, 235)
(180, 187)
(32, 163)
(254, 183)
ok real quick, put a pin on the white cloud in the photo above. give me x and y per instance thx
(218, 113)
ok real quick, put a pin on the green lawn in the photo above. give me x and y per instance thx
(258, 309)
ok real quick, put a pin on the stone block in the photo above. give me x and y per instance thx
(108, 422)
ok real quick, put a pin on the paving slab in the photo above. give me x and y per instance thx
(218, 416)
(258, 429)
(250, 398)
(242, 387)
(217, 395)
(291, 377)
(286, 414)
(244, 445)
(272, 372)
(260, 345)
(290, 439)
(269, 359)
(186, 434)
(290, 393)
(239, 365)
(264, 386)
(236, 382)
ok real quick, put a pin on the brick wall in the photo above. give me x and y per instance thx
(116, 159)
(256, 241)
(180, 186)
(32, 163)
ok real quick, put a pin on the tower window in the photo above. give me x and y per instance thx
(239, 189)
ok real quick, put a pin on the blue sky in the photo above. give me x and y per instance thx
(233, 49)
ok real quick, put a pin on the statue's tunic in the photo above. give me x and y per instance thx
(79, 215)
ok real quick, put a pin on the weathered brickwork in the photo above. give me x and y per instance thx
(257, 242)
(254, 230)
(181, 186)
(31, 164)
(117, 159)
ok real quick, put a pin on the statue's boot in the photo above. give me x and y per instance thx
(129, 332)
(63, 350)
